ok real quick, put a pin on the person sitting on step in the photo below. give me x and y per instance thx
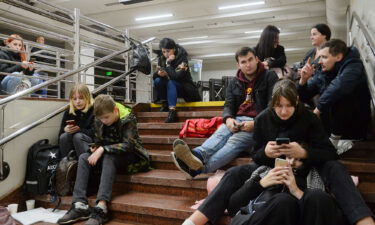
(117, 147)
(172, 78)
(344, 102)
(247, 95)
(77, 125)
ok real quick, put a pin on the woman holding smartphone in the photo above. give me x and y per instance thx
(172, 78)
(77, 125)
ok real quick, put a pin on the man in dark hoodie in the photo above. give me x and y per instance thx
(172, 78)
(344, 103)
(247, 95)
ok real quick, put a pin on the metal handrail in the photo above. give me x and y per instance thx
(367, 34)
(56, 79)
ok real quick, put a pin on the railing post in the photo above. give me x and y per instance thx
(127, 66)
(76, 43)
(4, 167)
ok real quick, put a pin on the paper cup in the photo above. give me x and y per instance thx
(30, 204)
(12, 208)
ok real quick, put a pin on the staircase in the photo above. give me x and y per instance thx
(164, 195)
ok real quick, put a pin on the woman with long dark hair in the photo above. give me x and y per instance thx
(268, 49)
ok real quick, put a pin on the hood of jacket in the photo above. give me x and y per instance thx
(241, 76)
(351, 55)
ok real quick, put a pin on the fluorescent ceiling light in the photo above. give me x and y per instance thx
(253, 31)
(153, 17)
(195, 42)
(216, 55)
(240, 5)
(192, 38)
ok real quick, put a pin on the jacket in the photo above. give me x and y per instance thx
(261, 94)
(85, 121)
(304, 127)
(126, 140)
(9, 67)
(346, 78)
(278, 54)
(181, 76)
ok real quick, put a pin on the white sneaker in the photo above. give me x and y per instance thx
(343, 146)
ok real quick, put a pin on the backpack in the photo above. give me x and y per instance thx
(66, 174)
(200, 128)
(42, 161)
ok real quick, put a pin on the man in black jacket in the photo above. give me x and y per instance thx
(247, 95)
(344, 96)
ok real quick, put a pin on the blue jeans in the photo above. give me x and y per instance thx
(10, 83)
(168, 89)
(224, 146)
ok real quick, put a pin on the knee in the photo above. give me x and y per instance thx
(333, 168)
(65, 137)
(77, 137)
(286, 202)
(157, 82)
(317, 197)
(83, 157)
(171, 84)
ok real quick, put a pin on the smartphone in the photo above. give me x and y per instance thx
(281, 162)
(71, 122)
(280, 141)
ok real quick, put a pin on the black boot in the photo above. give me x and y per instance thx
(164, 106)
(171, 116)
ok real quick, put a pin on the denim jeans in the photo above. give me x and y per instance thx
(168, 89)
(10, 83)
(224, 146)
(77, 141)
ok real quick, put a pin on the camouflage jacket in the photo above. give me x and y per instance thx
(126, 140)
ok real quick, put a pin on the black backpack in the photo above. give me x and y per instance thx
(42, 161)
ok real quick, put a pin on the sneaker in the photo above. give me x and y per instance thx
(183, 152)
(171, 116)
(97, 216)
(343, 146)
(74, 214)
(184, 168)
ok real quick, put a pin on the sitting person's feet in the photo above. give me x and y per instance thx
(343, 146)
(184, 168)
(164, 106)
(97, 216)
(78, 211)
(183, 152)
(171, 116)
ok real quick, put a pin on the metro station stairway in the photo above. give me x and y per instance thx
(164, 196)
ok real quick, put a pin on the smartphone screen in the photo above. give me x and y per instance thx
(280, 141)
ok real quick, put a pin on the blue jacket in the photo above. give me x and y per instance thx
(346, 78)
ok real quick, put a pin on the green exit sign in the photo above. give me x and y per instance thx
(109, 73)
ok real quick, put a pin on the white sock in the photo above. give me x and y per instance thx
(335, 139)
(80, 205)
(103, 207)
(188, 222)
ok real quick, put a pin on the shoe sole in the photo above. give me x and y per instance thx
(75, 220)
(183, 153)
(188, 176)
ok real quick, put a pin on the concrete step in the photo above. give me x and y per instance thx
(159, 128)
(159, 117)
(140, 207)
(165, 142)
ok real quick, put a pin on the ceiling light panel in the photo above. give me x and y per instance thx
(154, 17)
(240, 5)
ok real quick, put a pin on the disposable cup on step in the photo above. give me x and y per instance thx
(12, 208)
(30, 204)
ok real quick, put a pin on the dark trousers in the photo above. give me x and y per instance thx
(340, 184)
(169, 90)
(348, 118)
(109, 164)
(77, 141)
(314, 208)
(216, 203)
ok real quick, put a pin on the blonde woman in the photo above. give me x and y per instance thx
(77, 125)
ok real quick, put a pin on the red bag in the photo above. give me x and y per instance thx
(201, 128)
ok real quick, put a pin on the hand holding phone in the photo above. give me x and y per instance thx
(71, 122)
(281, 162)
